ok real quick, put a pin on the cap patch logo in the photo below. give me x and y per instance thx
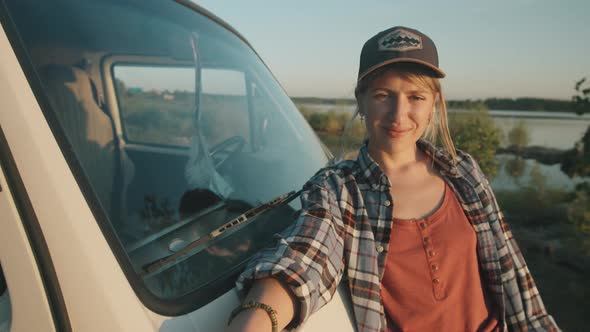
(400, 40)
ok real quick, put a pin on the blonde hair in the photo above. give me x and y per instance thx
(438, 128)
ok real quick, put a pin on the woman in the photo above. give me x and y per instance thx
(414, 229)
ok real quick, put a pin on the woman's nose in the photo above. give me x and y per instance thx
(397, 109)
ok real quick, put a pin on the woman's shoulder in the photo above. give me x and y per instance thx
(467, 166)
(335, 175)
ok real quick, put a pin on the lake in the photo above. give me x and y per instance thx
(549, 129)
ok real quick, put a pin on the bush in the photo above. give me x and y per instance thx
(582, 98)
(576, 161)
(515, 167)
(519, 136)
(475, 133)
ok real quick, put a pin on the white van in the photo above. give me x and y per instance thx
(140, 144)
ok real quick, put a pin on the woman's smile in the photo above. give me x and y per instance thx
(397, 132)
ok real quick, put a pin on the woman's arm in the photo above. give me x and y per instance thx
(270, 292)
(308, 259)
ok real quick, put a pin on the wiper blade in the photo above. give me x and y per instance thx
(242, 219)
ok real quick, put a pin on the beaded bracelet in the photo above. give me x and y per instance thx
(252, 304)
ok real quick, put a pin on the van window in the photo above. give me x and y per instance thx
(5, 307)
(177, 127)
(156, 102)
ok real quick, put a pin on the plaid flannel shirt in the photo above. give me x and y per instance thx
(343, 229)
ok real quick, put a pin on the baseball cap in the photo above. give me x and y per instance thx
(398, 44)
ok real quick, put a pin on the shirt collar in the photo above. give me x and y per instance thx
(442, 160)
(373, 173)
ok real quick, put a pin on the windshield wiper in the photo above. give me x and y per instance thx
(242, 219)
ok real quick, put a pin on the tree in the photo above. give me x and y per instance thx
(576, 161)
(582, 98)
(519, 136)
(476, 134)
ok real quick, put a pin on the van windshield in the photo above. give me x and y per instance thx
(172, 126)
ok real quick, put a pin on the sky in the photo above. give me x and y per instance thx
(502, 48)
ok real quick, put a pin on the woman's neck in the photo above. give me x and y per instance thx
(398, 162)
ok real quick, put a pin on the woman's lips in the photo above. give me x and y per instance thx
(396, 132)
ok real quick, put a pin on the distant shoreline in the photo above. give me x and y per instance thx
(497, 104)
(532, 114)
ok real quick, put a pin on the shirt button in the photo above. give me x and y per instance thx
(422, 225)
(436, 281)
(434, 267)
(426, 240)
(431, 253)
(380, 249)
(387, 202)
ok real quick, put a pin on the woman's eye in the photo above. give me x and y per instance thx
(417, 98)
(380, 96)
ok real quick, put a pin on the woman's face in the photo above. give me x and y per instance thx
(397, 112)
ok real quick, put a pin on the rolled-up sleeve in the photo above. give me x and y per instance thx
(308, 256)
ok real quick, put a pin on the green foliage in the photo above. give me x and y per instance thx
(534, 203)
(576, 162)
(581, 99)
(475, 133)
(167, 118)
(519, 135)
(515, 167)
(518, 104)
(150, 118)
(467, 104)
(528, 206)
(336, 129)
(579, 211)
(472, 132)
(513, 104)
(579, 215)
(323, 101)
(330, 122)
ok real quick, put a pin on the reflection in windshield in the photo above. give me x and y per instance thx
(225, 229)
(164, 174)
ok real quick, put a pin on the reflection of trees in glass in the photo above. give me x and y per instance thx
(515, 167)
(519, 136)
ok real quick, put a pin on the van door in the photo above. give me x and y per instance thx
(25, 303)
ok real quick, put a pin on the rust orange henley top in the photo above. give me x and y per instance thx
(432, 280)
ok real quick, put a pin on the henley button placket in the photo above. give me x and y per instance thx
(433, 264)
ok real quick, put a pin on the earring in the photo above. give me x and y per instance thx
(362, 117)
